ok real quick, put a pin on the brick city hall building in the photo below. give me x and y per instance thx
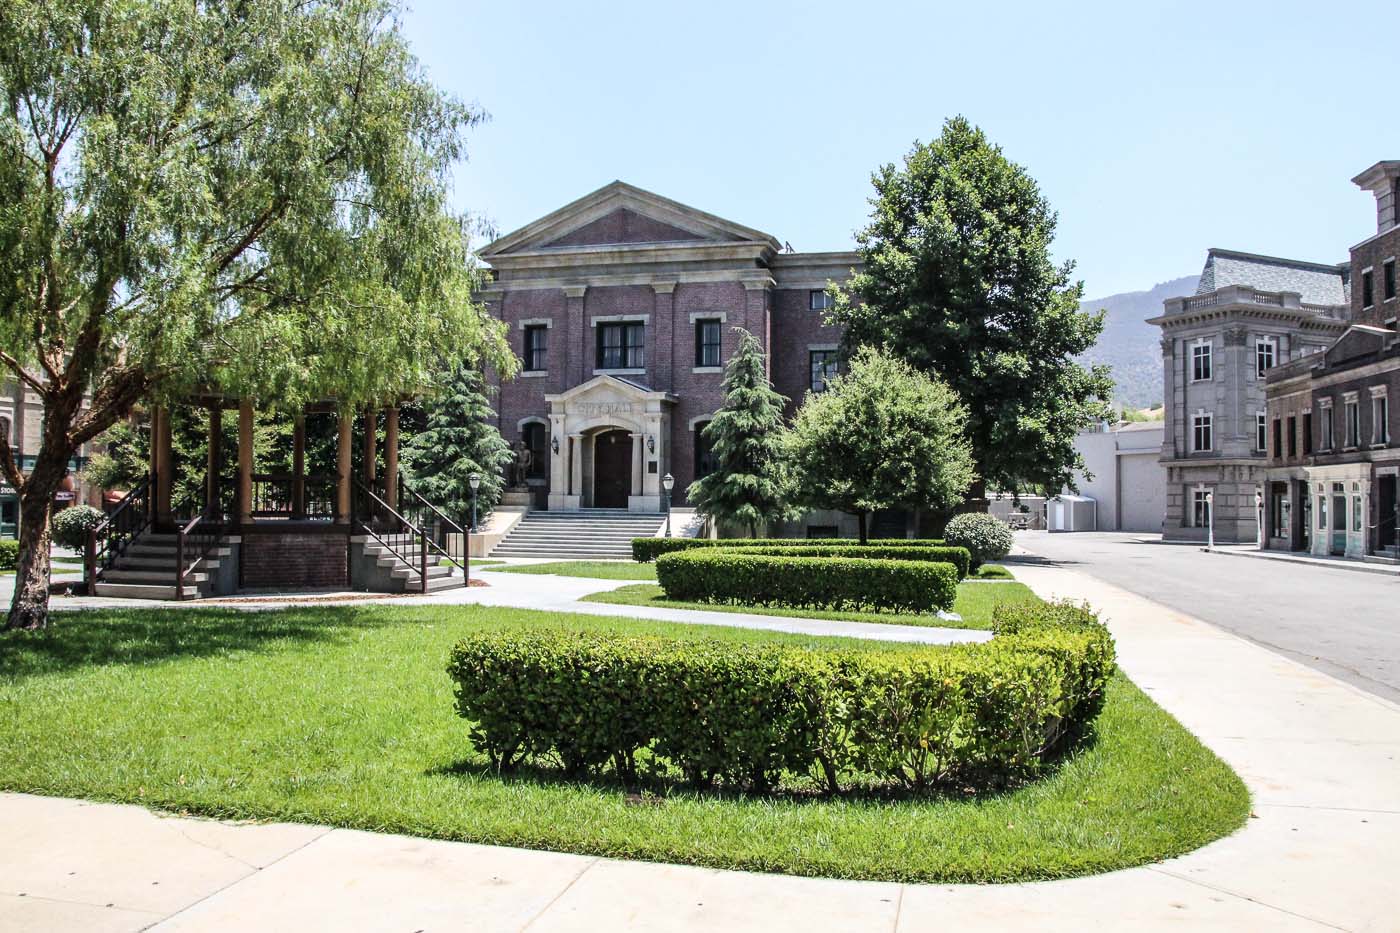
(622, 307)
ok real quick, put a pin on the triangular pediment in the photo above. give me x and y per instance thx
(620, 215)
(606, 388)
(1358, 341)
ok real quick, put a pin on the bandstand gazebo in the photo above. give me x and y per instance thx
(276, 532)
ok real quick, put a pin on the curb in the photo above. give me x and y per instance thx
(1353, 566)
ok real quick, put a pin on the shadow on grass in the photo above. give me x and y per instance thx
(659, 783)
(101, 638)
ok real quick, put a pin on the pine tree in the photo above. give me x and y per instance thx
(745, 435)
(459, 439)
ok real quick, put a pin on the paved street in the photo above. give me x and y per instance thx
(1338, 621)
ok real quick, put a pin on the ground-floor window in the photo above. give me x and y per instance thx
(1355, 513)
(704, 452)
(1321, 513)
(1200, 507)
(1279, 510)
(534, 437)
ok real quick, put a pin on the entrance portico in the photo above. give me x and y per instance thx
(609, 436)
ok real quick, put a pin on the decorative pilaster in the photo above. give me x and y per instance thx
(576, 464)
(756, 319)
(638, 452)
(576, 346)
(662, 337)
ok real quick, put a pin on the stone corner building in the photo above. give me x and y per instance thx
(623, 306)
(1249, 314)
(1334, 452)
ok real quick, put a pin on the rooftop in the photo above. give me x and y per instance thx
(1318, 283)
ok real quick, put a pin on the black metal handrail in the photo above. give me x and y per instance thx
(203, 544)
(450, 527)
(114, 534)
(363, 516)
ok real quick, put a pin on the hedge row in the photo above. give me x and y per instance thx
(9, 554)
(726, 575)
(957, 556)
(645, 550)
(758, 715)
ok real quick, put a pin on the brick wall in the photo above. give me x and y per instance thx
(273, 560)
(796, 328)
(1372, 255)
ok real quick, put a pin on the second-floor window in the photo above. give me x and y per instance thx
(1200, 361)
(823, 368)
(1380, 420)
(536, 348)
(1307, 433)
(621, 346)
(1203, 431)
(1261, 431)
(1388, 279)
(707, 342)
(1328, 430)
(1278, 437)
(1265, 351)
(1353, 423)
(819, 300)
(1368, 289)
(1292, 436)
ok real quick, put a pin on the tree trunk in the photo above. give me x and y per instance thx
(29, 609)
(860, 523)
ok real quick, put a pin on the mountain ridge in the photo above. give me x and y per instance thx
(1129, 345)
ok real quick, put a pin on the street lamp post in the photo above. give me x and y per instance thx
(473, 481)
(667, 482)
(1210, 521)
(1259, 517)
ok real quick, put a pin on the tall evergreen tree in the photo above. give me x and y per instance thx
(745, 437)
(958, 281)
(459, 440)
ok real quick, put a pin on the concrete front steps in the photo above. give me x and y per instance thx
(147, 571)
(379, 569)
(587, 534)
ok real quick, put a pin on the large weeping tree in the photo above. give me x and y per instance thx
(958, 281)
(248, 196)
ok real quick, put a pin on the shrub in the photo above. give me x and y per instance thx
(733, 576)
(9, 554)
(956, 556)
(71, 526)
(752, 715)
(645, 550)
(985, 536)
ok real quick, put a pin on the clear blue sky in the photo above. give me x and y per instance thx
(1155, 130)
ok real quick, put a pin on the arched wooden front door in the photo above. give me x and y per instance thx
(612, 469)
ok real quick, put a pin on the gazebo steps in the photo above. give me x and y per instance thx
(147, 591)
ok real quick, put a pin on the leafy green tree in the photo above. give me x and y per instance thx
(745, 437)
(459, 439)
(248, 198)
(881, 436)
(958, 281)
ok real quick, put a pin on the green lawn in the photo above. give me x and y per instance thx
(992, 572)
(598, 569)
(344, 716)
(974, 603)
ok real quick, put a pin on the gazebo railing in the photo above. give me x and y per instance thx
(274, 496)
(114, 534)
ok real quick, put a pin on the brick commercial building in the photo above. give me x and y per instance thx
(623, 307)
(1334, 461)
(1249, 314)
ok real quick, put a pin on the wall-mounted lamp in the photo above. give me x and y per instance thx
(651, 443)
(554, 443)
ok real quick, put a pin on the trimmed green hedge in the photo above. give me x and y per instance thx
(9, 554)
(958, 557)
(645, 550)
(727, 575)
(758, 715)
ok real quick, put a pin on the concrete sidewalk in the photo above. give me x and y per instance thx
(1321, 758)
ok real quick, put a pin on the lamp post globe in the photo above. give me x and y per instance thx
(667, 482)
(473, 482)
